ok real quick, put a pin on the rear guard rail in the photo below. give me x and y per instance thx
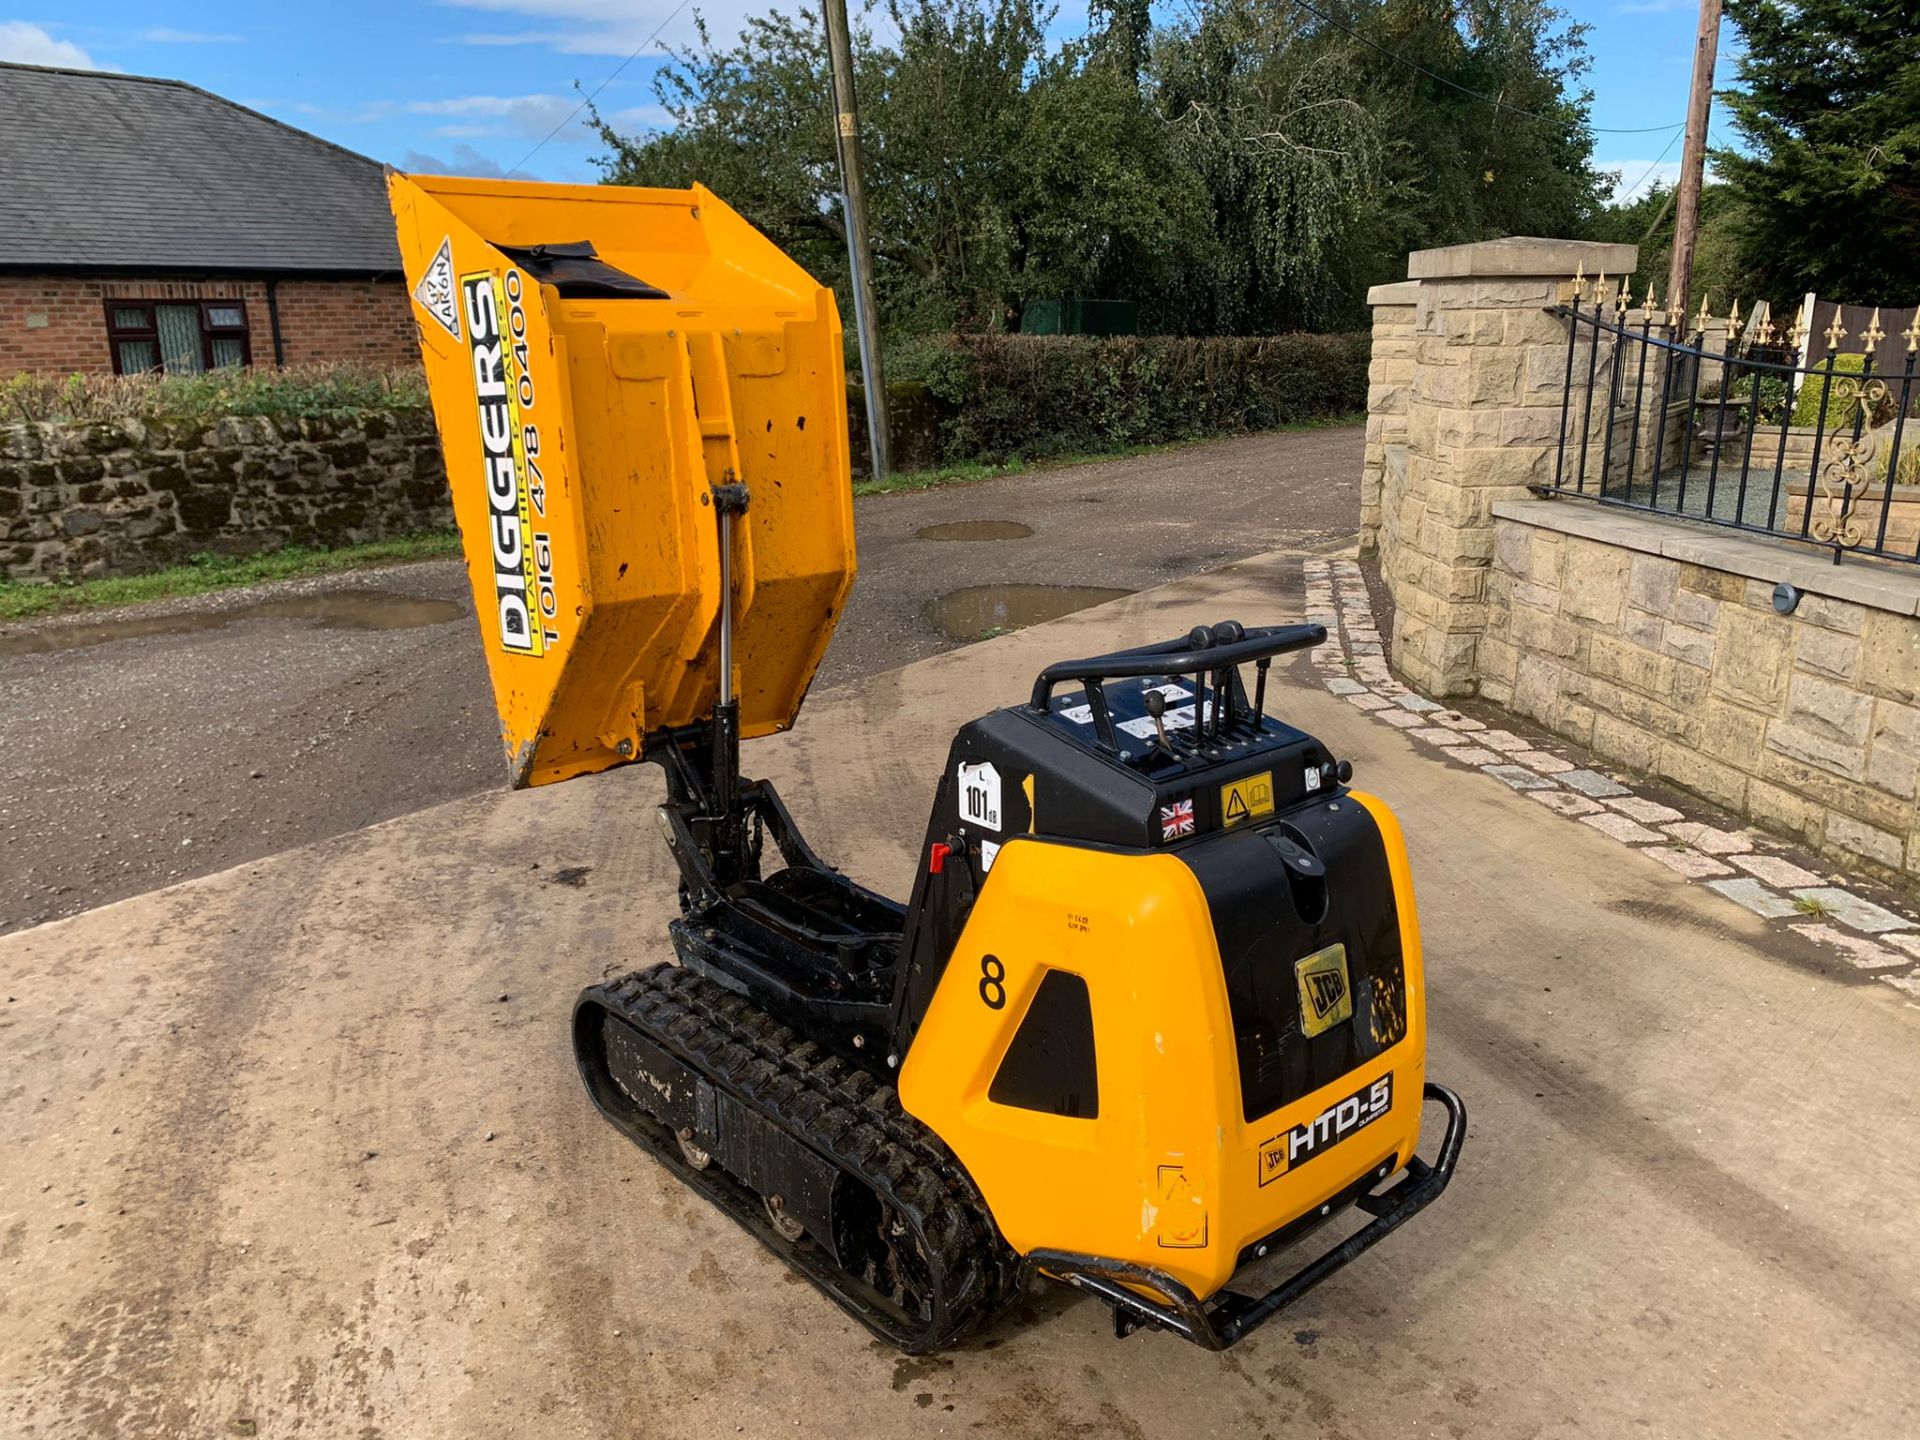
(1230, 1317)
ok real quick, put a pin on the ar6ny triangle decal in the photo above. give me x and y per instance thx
(435, 290)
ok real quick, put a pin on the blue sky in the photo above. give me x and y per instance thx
(474, 86)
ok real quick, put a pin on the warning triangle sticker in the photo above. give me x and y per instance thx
(435, 290)
(1236, 807)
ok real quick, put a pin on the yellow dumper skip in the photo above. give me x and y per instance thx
(598, 359)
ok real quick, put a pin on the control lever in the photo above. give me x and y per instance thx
(1156, 708)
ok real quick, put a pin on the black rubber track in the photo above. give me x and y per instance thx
(840, 1112)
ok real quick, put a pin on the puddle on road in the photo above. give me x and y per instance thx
(340, 610)
(975, 530)
(983, 610)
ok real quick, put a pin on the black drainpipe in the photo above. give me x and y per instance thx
(273, 320)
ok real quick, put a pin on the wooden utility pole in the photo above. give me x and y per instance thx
(846, 130)
(1693, 159)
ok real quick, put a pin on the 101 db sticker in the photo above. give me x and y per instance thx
(979, 796)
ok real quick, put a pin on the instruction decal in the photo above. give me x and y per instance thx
(500, 387)
(988, 850)
(979, 798)
(1339, 1121)
(435, 290)
(1247, 798)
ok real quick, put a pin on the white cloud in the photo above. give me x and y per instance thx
(30, 45)
(462, 160)
(167, 35)
(1634, 178)
(533, 116)
(611, 27)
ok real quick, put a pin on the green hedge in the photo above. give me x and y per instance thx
(1030, 396)
(264, 390)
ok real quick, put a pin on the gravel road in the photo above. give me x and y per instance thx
(148, 745)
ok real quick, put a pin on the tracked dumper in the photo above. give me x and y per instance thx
(1153, 1010)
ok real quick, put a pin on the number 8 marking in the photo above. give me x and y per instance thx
(992, 989)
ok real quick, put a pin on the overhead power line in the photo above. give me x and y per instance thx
(594, 93)
(1492, 100)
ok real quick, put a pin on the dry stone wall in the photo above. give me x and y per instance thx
(122, 496)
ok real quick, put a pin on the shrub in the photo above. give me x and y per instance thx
(1028, 396)
(1817, 393)
(1773, 395)
(293, 390)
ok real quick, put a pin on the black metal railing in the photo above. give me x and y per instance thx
(1718, 421)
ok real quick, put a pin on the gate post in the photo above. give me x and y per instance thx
(1482, 423)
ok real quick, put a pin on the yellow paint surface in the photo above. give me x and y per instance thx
(582, 436)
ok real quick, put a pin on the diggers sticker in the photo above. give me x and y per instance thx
(1332, 1125)
(517, 574)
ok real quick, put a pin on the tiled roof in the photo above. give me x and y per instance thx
(124, 171)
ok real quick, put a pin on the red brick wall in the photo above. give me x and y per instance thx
(366, 320)
(58, 324)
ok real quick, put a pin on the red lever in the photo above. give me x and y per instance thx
(937, 856)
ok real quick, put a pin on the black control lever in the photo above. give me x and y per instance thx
(1157, 707)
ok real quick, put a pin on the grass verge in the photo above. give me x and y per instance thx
(969, 473)
(20, 599)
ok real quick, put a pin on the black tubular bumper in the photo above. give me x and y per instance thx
(1229, 1317)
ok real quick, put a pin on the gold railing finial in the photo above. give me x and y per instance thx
(1795, 332)
(1836, 332)
(1655, 316)
(1871, 337)
(1733, 321)
(1580, 281)
(1769, 332)
(1705, 317)
(1912, 334)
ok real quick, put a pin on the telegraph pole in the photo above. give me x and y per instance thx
(1693, 159)
(846, 131)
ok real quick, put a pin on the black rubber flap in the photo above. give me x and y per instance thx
(576, 270)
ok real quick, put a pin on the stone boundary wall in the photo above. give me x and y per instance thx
(1383, 474)
(1656, 644)
(1473, 380)
(118, 497)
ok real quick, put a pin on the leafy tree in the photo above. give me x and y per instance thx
(1249, 166)
(1830, 181)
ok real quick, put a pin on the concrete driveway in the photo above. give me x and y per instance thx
(298, 1149)
(190, 736)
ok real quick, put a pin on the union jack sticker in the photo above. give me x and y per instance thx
(1176, 819)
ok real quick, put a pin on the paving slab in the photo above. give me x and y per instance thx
(282, 1160)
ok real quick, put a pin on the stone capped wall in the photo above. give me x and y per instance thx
(122, 496)
(1657, 644)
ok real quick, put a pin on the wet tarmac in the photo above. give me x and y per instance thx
(981, 611)
(337, 610)
(975, 530)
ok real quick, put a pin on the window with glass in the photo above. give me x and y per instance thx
(178, 337)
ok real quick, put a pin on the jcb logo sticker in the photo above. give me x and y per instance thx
(1246, 799)
(1326, 998)
(1332, 1125)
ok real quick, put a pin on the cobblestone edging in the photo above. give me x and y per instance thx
(1743, 867)
(118, 497)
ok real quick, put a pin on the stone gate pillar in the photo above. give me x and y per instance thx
(1482, 405)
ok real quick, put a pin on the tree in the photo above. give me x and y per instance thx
(1250, 166)
(1000, 168)
(1829, 183)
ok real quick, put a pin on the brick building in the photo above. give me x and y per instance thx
(148, 224)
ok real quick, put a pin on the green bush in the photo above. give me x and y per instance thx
(1004, 397)
(1773, 396)
(292, 390)
(1817, 393)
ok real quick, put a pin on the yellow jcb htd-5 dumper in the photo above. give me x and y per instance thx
(1154, 1008)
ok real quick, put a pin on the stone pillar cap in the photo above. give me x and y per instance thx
(1523, 255)
(1398, 292)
